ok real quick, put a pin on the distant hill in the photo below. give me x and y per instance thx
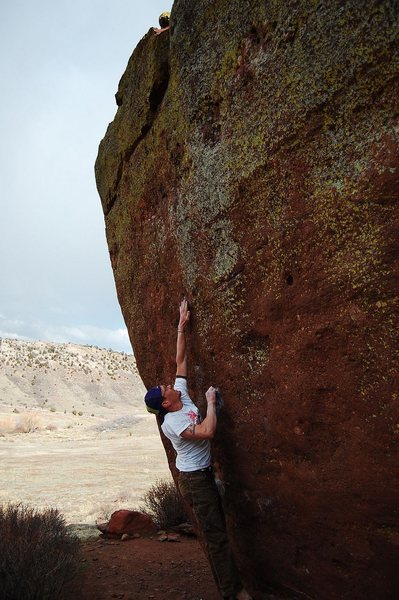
(68, 377)
(74, 432)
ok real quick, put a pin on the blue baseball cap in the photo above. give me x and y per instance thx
(153, 400)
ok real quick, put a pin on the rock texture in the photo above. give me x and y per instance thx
(253, 165)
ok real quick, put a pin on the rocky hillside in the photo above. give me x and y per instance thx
(74, 433)
(77, 380)
(253, 164)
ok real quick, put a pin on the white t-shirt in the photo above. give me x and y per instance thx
(191, 454)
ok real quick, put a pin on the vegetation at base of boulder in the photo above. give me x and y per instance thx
(163, 503)
(37, 554)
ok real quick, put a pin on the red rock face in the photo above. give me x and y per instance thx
(259, 176)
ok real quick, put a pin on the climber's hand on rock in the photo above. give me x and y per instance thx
(184, 314)
(211, 395)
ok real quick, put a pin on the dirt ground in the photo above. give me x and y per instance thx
(144, 569)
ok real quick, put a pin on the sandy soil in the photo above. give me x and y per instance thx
(86, 475)
(144, 568)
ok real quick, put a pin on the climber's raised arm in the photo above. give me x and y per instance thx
(181, 352)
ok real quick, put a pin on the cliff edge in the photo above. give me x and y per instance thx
(253, 165)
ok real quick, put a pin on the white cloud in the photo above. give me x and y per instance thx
(116, 339)
(13, 336)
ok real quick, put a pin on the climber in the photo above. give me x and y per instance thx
(190, 437)
(164, 22)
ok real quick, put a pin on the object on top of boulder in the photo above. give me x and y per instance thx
(164, 19)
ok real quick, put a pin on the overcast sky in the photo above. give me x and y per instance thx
(60, 64)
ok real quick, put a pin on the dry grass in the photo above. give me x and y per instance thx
(162, 502)
(37, 554)
(24, 423)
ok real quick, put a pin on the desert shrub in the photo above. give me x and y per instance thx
(163, 503)
(37, 554)
(25, 423)
(28, 423)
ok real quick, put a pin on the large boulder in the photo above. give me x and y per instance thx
(253, 165)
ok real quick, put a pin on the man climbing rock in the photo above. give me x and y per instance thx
(190, 437)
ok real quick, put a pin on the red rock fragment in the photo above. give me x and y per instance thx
(130, 522)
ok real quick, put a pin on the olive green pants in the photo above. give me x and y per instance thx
(200, 492)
